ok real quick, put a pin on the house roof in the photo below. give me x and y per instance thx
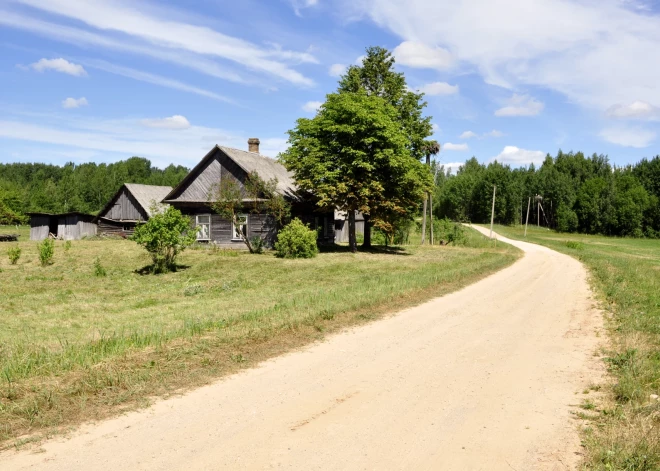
(147, 194)
(70, 213)
(143, 194)
(266, 167)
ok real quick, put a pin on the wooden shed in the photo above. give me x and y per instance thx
(66, 226)
(131, 205)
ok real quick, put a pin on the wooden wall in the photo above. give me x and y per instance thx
(117, 228)
(39, 227)
(125, 208)
(67, 227)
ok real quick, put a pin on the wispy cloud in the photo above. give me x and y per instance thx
(74, 102)
(520, 105)
(635, 110)
(628, 136)
(59, 65)
(457, 147)
(438, 88)
(173, 122)
(419, 55)
(473, 135)
(311, 106)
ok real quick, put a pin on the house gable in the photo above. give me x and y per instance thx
(124, 207)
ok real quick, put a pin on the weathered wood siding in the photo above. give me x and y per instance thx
(117, 228)
(125, 208)
(71, 227)
(39, 227)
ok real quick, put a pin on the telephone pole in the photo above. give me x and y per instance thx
(529, 202)
(492, 212)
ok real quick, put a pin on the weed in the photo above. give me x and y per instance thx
(67, 245)
(98, 268)
(14, 254)
(192, 290)
(46, 251)
(571, 244)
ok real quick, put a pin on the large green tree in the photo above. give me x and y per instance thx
(354, 156)
(376, 76)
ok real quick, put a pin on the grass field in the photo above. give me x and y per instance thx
(75, 346)
(625, 431)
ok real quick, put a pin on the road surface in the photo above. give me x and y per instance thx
(481, 379)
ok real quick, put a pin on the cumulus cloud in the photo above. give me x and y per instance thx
(520, 105)
(311, 106)
(419, 55)
(452, 167)
(472, 135)
(513, 155)
(173, 122)
(337, 70)
(438, 88)
(59, 65)
(635, 110)
(450, 146)
(468, 135)
(628, 137)
(494, 133)
(74, 102)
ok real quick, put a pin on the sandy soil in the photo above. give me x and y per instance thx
(481, 379)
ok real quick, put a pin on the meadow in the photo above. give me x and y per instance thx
(625, 273)
(77, 344)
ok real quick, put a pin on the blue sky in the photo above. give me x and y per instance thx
(102, 80)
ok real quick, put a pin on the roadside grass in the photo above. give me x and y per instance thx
(626, 276)
(77, 346)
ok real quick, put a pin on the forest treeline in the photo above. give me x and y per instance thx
(579, 194)
(34, 187)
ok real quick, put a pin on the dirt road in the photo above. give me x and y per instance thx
(482, 379)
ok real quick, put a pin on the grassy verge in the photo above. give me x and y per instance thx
(625, 434)
(75, 346)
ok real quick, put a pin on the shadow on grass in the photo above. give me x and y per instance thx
(150, 270)
(375, 249)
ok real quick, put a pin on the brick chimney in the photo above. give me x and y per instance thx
(253, 145)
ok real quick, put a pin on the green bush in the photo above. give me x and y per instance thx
(296, 240)
(165, 236)
(257, 244)
(46, 251)
(449, 232)
(14, 254)
(98, 268)
(67, 245)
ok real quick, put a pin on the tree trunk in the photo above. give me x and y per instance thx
(367, 232)
(352, 243)
(424, 220)
(431, 215)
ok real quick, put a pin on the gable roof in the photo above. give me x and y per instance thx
(143, 194)
(265, 167)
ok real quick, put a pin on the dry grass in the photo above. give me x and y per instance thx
(75, 346)
(625, 436)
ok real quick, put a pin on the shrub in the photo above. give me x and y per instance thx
(98, 268)
(46, 251)
(67, 245)
(257, 244)
(165, 236)
(296, 240)
(14, 254)
(449, 232)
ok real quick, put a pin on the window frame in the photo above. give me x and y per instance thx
(234, 237)
(199, 224)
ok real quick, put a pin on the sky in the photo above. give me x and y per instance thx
(104, 80)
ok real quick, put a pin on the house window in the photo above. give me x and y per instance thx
(239, 228)
(203, 223)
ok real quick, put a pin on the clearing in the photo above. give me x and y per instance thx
(483, 378)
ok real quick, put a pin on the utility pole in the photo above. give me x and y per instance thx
(529, 202)
(538, 214)
(492, 212)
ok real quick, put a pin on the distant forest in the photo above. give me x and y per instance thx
(580, 194)
(27, 187)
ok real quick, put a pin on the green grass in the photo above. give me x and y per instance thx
(626, 276)
(76, 346)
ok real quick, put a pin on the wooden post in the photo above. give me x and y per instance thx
(538, 214)
(431, 214)
(492, 213)
(529, 202)
(424, 221)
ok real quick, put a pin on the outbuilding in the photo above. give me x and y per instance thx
(67, 226)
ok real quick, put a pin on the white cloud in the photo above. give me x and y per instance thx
(337, 70)
(301, 4)
(166, 31)
(173, 122)
(359, 59)
(628, 137)
(435, 128)
(458, 147)
(494, 133)
(513, 155)
(74, 102)
(59, 65)
(472, 135)
(635, 110)
(311, 106)
(451, 166)
(468, 135)
(520, 105)
(419, 55)
(521, 49)
(155, 80)
(438, 88)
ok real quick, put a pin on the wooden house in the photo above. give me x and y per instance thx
(131, 205)
(66, 226)
(193, 194)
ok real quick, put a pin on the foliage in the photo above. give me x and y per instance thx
(165, 235)
(296, 240)
(36, 187)
(67, 245)
(229, 199)
(353, 155)
(14, 254)
(579, 194)
(46, 251)
(450, 232)
(99, 270)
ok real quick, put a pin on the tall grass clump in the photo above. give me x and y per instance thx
(14, 254)
(46, 251)
(98, 268)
